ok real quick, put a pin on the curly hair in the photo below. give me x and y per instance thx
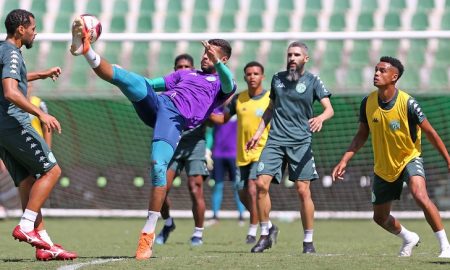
(254, 64)
(16, 18)
(224, 46)
(394, 62)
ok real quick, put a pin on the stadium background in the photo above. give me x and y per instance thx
(102, 137)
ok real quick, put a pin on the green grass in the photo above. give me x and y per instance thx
(340, 244)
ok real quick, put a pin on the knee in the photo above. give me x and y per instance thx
(56, 171)
(158, 173)
(304, 192)
(420, 196)
(261, 187)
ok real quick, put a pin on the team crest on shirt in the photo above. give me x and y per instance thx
(260, 166)
(300, 88)
(394, 125)
(259, 112)
(211, 79)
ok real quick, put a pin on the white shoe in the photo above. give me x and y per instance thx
(80, 37)
(445, 253)
(408, 245)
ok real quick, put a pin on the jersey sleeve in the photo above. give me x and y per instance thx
(12, 61)
(320, 91)
(415, 113)
(272, 94)
(362, 111)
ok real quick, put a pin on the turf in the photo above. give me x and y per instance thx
(340, 244)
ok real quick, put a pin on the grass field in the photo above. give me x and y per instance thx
(340, 244)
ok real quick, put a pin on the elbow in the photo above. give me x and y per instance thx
(9, 96)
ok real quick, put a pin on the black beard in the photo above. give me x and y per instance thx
(29, 45)
(208, 70)
(293, 75)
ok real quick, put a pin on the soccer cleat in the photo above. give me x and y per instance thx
(31, 238)
(250, 239)
(164, 234)
(445, 253)
(145, 246)
(308, 247)
(80, 37)
(56, 252)
(196, 241)
(408, 245)
(273, 233)
(264, 242)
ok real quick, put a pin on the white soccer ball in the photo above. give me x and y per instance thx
(93, 26)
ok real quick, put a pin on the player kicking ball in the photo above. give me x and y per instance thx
(188, 98)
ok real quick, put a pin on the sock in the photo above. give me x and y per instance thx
(168, 222)
(269, 224)
(93, 58)
(44, 236)
(404, 233)
(27, 221)
(198, 232)
(264, 228)
(252, 229)
(308, 236)
(150, 224)
(442, 238)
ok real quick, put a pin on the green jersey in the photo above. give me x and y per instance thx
(12, 66)
(293, 107)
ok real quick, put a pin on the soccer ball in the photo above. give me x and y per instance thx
(93, 26)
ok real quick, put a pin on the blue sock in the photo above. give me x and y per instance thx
(162, 153)
(216, 199)
(240, 206)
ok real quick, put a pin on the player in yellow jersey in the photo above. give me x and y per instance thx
(395, 121)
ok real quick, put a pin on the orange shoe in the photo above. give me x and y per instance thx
(80, 37)
(57, 252)
(145, 246)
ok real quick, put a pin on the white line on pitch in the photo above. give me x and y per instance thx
(79, 265)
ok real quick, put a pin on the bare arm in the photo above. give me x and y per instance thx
(267, 116)
(358, 141)
(435, 140)
(13, 95)
(53, 72)
(316, 123)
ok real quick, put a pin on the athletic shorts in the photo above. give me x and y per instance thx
(25, 153)
(299, 159)
(383, 191)
(223, 166)
(192, 167)
(247, 173)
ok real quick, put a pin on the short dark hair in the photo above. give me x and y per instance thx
(254, 64)
(394, 62)
(223, 45)
(185, 56)
(299, 44)
(16, 18)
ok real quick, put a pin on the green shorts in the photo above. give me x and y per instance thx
(383, 191)
(246, 173)
(25, 153)
(299, 159)
(190, 155)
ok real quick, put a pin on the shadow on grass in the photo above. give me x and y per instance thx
(441, 262)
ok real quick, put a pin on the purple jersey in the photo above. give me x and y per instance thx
(195, 94)
(225, 137)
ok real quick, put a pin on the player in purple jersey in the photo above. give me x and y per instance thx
(189, 98)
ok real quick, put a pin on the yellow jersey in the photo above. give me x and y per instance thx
(35, 122)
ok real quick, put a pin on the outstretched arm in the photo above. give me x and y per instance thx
(435, 140)
(225, 76)
(53, 73)
(358, 141)
(265, 120)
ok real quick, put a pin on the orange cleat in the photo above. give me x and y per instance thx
(31, 238)
(57, 252)
(145, 246)
(80, 37)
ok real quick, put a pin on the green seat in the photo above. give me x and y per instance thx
(416, 52)
(199, 22)
(118, 23)
(39, 6)
(389, 48)
(354, 79)
(144, 23)
(196, 49)
(121, 7)
(147, 8)
(139, 58)
(337, 22)
(368, 5)
(282, 22)
(341, 6)
(79, 76)
(445, 22)
(410, 80)
(392, 21)
(276, 59)
(201, 5)
(63, 23)
(172, 23)
(359, 57)
(328, 77)
(227, 23)
(67, 7)
(8, 6)
(419, 21)
(286, 5)
(313, 5)
(425, 5)
(309, 22)
(332, 55)
(397, 5)
(31, 57)
(257, 6)
(174, 7)
(166, 57)
(113, 51)
(443, 52)
(94, 7)
(439, 78)
(365, 21)
(57, 54)
(249, 53)
(254, 22)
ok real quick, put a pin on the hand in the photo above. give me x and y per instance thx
(53, 72)
(209, 160)
(211, 52)
(339, 171)
(50, 122)
(315, 124)
(252, 143)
